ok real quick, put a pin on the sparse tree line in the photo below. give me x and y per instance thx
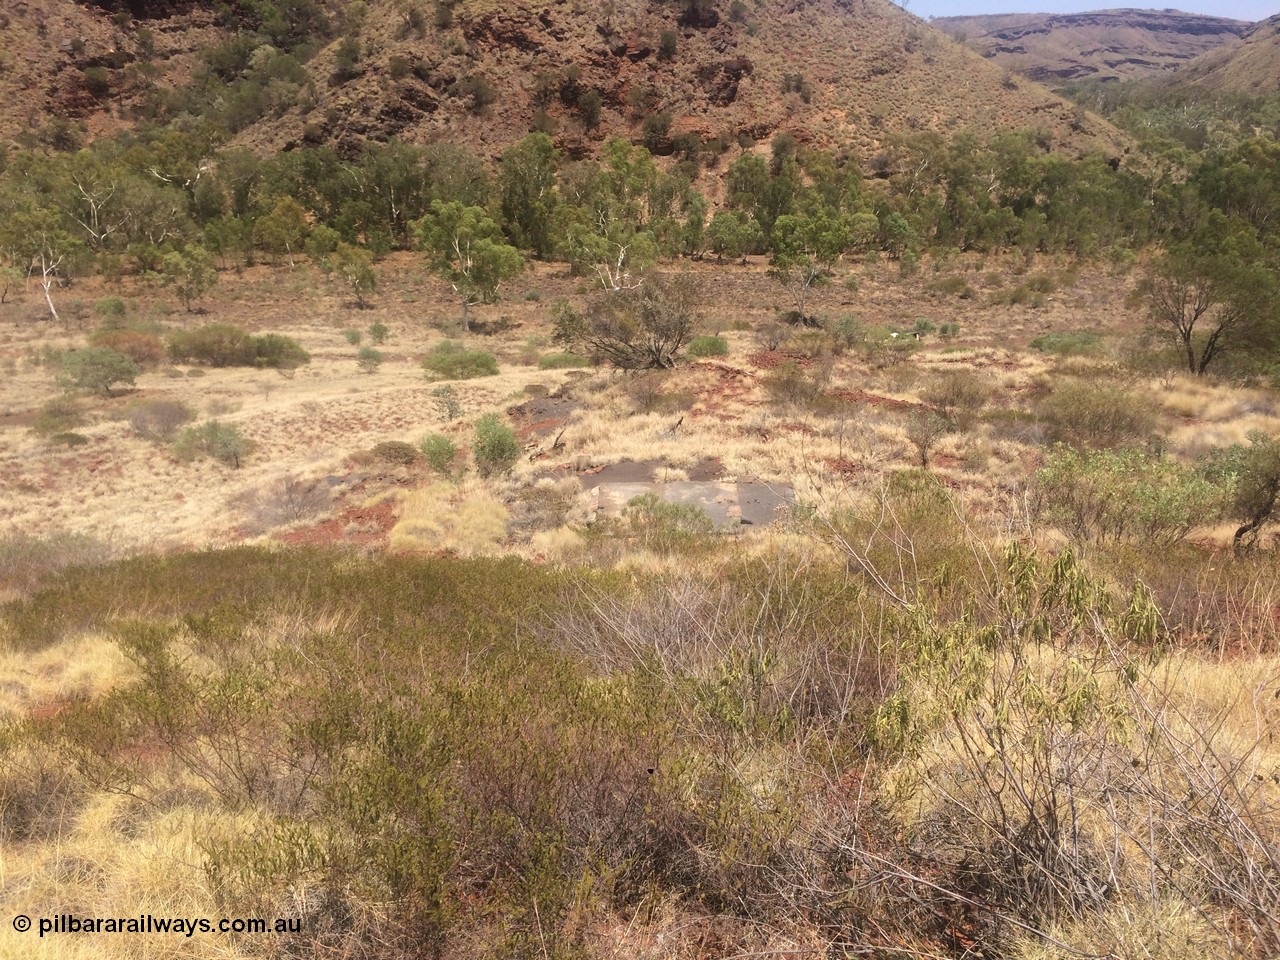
(175, 206)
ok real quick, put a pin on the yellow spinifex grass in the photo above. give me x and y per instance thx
(465, 519)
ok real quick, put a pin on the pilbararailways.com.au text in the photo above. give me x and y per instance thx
(148, 924)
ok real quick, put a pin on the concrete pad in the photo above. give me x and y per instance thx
(729, 505)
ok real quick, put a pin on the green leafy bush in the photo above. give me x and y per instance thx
(1074, 343)
(789, 382)
(440, 451)
(26, 560)
(352, 336)
(396, 451)
(278, 352)
(369, 359)
(846, 332)
(957, 396)
(378, 332)
(562, 361)
(225, 345)
(666, 527)
(667, 42)
(1252, 474)
(58, 415)
(1100, 415)
(448, 400)
(953, 286)
(111, 309)
(708, 347)
(495, 447)
(1105, 495)
(219, 441)
(453, 361)
(883, 347)
(97, 369)
(215, 344)
(69, 438)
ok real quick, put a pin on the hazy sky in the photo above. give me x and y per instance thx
(1237, 9)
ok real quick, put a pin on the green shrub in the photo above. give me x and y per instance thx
(215, 344)
(923, 327)
(708, 347)
(26, 560)
(352, 336)
(1252, 475)
(1099, 415)
(440, 451)
(56, 416)
(278, 352)
(957, 396)
(1041, 283)
(887, 348)
(369, 359)
(495, 448)
(789, 382)
(225, 345)
(97, 369)
(667, 43)
(220, 441)
(97, 81)
(955, 286)
(447, 397)
(69, 438)
(378, 332)
(666, 527)
(1020, 295)
(846, 332)
(948, 330)
(452, 361)
(111, 309)
(1072, 343)
(1105, 495)
(562, 361)
(396, 451)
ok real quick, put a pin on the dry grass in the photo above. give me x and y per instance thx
(117, 860)
(123, 489)
(82, 668)
(465, 520)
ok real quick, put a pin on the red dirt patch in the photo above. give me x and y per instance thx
(361, 526)
(875, 399)
(542, 428)
(771, 359)
(49, 710)
(844, 468)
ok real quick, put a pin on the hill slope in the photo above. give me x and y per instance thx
(835, 72)
(91, 64)
(1252, 66)
(1099, 45)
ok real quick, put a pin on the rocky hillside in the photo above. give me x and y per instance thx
(1100, 45)
(1251, 66)
(836, 72)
